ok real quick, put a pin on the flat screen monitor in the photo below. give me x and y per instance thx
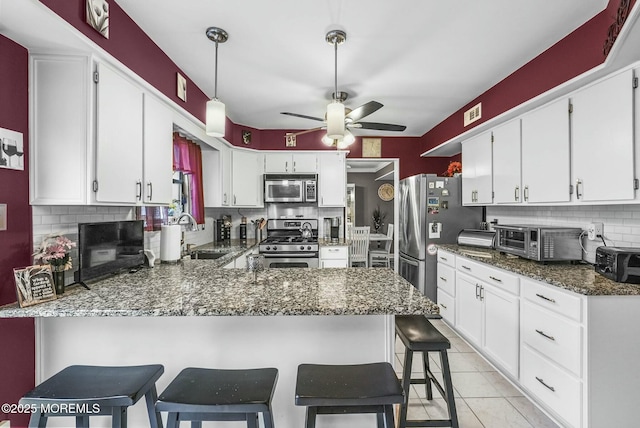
(109, 247)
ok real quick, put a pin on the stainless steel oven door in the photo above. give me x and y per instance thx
(291, 260)
(284, 191)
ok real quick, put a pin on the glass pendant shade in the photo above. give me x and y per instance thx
(348, 139)
(216, 118)
(335, 120)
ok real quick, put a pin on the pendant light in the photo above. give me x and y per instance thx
(216, 116)
(335, 109)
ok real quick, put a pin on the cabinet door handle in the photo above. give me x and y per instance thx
(578, 183)
(542, 382)
(477, 291)
(443, 305)
(139, 190)
(224, 199)
(517, 193)
(481, 293)
(526, 193)
(545, 298)
(542, 333)
(286, 166)
(443, 278)
(495, 279)
(150, 187)
(294, 166)
(465, 267)
(234, 199)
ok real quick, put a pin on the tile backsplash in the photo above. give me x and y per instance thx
(621, 222)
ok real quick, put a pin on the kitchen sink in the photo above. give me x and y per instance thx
(207, 254)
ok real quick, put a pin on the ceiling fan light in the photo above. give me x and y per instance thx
(348, 138)
(342, 144)
(216, 118)
(335, 120)
(327, 141)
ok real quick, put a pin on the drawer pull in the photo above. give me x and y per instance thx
(443, 258)
(542, 382)
(542, 333)
(545, 298)
(465, 267)
(495, 279)
(443, 306)
(443, 278)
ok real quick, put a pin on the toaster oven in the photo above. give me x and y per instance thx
(620, 264)
(540, 243)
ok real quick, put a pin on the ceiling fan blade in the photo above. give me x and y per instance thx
(364, 110)
(304, 116)
(379, 126)
(306, 131)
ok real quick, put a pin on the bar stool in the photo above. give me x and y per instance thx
(199, 394)
(84, 391)
(346, 389)
(419, 335)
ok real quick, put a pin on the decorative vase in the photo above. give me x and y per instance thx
(58, 279)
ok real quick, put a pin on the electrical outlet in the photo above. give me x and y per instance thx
(594, 231)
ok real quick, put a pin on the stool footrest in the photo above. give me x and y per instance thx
(428, 423)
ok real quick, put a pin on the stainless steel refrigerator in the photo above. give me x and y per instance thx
(431, 213)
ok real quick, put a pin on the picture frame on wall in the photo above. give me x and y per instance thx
(97, 16)
(11, 150)
(182, 87)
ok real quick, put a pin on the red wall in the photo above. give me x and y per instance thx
(577, 53)
(17, 351)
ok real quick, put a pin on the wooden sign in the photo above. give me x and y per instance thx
(34, 284)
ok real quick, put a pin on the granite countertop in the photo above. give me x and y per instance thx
(200, 288)
(580, 278)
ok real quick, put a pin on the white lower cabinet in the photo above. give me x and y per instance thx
(446, 280)
(334, 256)
(575, 355)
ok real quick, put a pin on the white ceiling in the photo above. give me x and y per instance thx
(422, 59)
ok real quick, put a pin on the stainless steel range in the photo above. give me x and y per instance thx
(291, 243)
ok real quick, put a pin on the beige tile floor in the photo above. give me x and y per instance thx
(484, 398)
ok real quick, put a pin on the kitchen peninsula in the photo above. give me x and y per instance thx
(195, 314)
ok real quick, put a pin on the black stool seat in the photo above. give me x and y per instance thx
(88, 388)
(199, 394)
(418, 334)
(339, 389)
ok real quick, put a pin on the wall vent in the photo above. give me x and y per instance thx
(473, 114)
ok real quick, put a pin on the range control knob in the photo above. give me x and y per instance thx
(268, 248)
(309, 247)
(275, 248)
(302, 247)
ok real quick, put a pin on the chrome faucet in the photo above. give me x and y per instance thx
(190, 221)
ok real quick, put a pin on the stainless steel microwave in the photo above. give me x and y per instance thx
(290, 188)
(539, 243)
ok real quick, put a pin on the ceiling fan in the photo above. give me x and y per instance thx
(339, 119)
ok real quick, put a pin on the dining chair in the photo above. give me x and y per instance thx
(383, 255)
(359, 245)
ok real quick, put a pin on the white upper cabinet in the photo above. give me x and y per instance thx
(158, 152)
(216, 174)
(602, 140)
(332, 180)
(58, 136)
(477, 170)
(545, 154)
(290, 163)
(506, 163)
(118, 138)
(246, 181)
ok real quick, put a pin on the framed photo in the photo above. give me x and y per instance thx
(371, 147)
(290, 140)
(3, 216)
(11, 149)
(34, 284)
(182, 87)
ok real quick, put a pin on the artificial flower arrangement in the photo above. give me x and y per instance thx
(454, 168)
(378, 218)
(54, 250)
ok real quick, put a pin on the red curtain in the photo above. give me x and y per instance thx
(187, 158)
(154, 217)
